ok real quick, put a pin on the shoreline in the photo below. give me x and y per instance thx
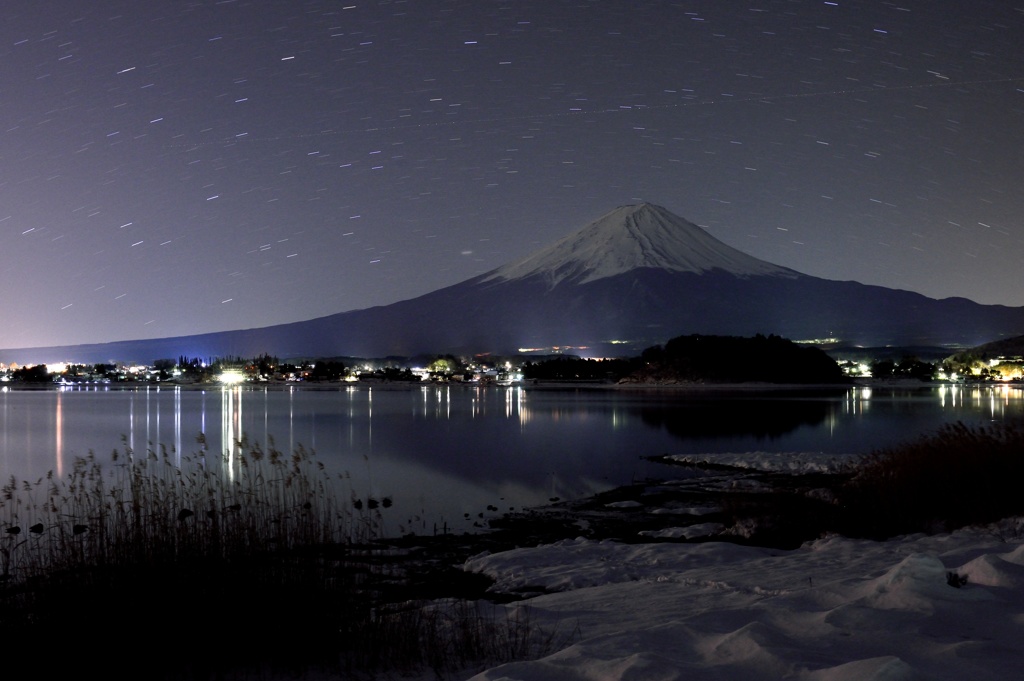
(719, 504)
(534, 385)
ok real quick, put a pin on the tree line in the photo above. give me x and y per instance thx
(700, 358)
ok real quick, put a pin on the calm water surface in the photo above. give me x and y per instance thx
(441, 453)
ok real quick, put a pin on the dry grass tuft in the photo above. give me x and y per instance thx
(201, 566)
(956, 477)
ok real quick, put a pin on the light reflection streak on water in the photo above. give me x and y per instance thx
(443, 403)
(7, 445)
(231, 426)
(266, 419)
(291, 418)
(60, 433)
(149, 419)
(525, 412)
(351, 390)
(858, 401)
(202, 414)
(1000, 400)
(516, 398)
(131, 422)
(521, 408)
(177, 424)
(993, 400)
(833, 418)
(620, 418)
(955, 394)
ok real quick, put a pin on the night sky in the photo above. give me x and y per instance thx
(170, 168)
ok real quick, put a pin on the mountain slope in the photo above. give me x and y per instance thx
(633, 278)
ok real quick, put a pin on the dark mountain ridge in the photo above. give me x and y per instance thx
(633, 278)
(1007, 347)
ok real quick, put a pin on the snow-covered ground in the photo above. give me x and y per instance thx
(787, 462)
(835, 609)
(947, 606)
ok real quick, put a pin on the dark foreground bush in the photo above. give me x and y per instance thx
(956, 477)
(448, 635)
(167, 567)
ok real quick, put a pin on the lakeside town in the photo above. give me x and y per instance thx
(963, 366)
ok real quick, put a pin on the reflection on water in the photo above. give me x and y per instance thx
(231, 426)
(996, 402)
(59, 433)
(444, 451)
(757, 416)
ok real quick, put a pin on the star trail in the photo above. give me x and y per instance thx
(173, 168)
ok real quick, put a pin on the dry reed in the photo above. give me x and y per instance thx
(960, 475)
(242, 562)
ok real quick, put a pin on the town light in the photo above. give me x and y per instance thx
(231, 376)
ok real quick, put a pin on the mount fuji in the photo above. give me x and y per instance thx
(633, 278)
(632, 238)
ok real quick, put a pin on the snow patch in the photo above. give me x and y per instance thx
(624, 504)
(994, 570)
(772, 462)
(836, 609)
(688, 532)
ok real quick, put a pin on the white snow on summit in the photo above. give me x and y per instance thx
(635, 236)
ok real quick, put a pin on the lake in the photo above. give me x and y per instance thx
(445, 454)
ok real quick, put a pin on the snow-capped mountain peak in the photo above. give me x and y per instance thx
(631, 237)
